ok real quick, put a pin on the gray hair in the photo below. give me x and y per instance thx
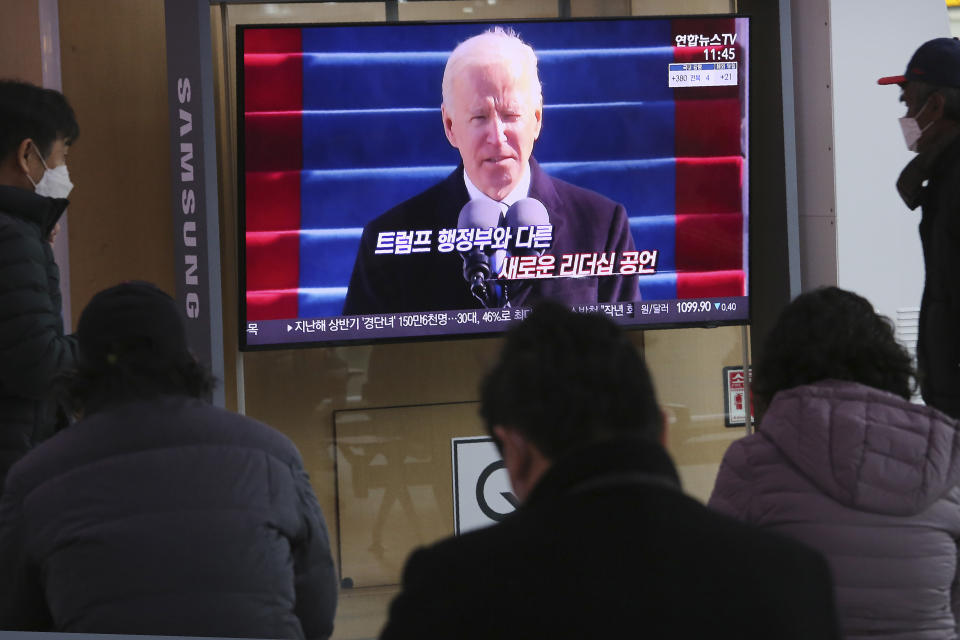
(494, 46)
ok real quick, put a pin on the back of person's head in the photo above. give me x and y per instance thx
(565, 380)
(28, 111)
(833, 334)
(496, 46)
(133, 346)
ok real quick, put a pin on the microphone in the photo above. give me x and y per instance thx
(478, 214)
(527, 212)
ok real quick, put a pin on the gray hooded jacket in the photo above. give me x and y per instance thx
(869, 480)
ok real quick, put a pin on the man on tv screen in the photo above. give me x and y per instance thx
(496, 208)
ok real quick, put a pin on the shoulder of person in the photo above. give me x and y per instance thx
(579, 198)
(254, 432)
(16, 228)
(423, 208)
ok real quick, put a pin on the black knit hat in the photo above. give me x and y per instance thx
(134, 323)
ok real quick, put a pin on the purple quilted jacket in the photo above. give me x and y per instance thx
(870, 481)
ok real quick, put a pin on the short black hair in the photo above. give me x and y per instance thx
(834, 334)
(28, 111)
(567, 379)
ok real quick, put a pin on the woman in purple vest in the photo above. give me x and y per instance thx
(843, 462)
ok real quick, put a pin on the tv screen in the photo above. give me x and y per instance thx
(370, 212)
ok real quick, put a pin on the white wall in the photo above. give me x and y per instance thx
(877, 242)
(855, 230)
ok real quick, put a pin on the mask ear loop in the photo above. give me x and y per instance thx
(39, 155)
(917, 116)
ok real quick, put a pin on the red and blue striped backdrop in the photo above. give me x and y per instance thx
(341, 123)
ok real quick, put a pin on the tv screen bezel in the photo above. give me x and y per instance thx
(244, 346)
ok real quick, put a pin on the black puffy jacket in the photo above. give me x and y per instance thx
(33, 350)
(169, 516)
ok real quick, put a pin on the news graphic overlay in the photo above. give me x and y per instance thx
(356, 225)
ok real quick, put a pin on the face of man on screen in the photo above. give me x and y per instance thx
(493, 120)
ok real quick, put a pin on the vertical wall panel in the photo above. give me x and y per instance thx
(20, 41)
(114, 73)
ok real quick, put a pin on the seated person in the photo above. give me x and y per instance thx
(492, 112)
(158, 513)
(604, 541)
(844, 463)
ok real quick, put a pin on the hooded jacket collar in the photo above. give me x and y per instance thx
(868, 449)
(925, 166)
(38, 210)
(624, 461)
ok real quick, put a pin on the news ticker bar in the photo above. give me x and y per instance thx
(479, 321)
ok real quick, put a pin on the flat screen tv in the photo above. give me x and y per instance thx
(357, 222)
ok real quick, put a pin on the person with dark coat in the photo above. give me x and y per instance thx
(492, 113)
(156, 512)
(37, 127)
(580, 219)
(845, 463)
(930, 89)
(604, 544)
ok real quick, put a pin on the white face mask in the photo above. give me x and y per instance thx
(55, 182)
(911, 129)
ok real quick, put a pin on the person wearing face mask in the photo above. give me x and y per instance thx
(37, 127)
(930, 89)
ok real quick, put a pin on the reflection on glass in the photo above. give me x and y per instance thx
(394, 484)
(384, 475)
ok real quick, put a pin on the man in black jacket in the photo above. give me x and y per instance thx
(930, 89)
(158, 513)
(36, 128)
(605, 544)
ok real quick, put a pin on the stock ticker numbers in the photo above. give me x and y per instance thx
(702, 74)
(704, 306)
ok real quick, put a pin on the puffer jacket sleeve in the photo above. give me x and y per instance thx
(316, 581)
(22, 603)
(733, 492)
(955, 592)
(33, 349)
